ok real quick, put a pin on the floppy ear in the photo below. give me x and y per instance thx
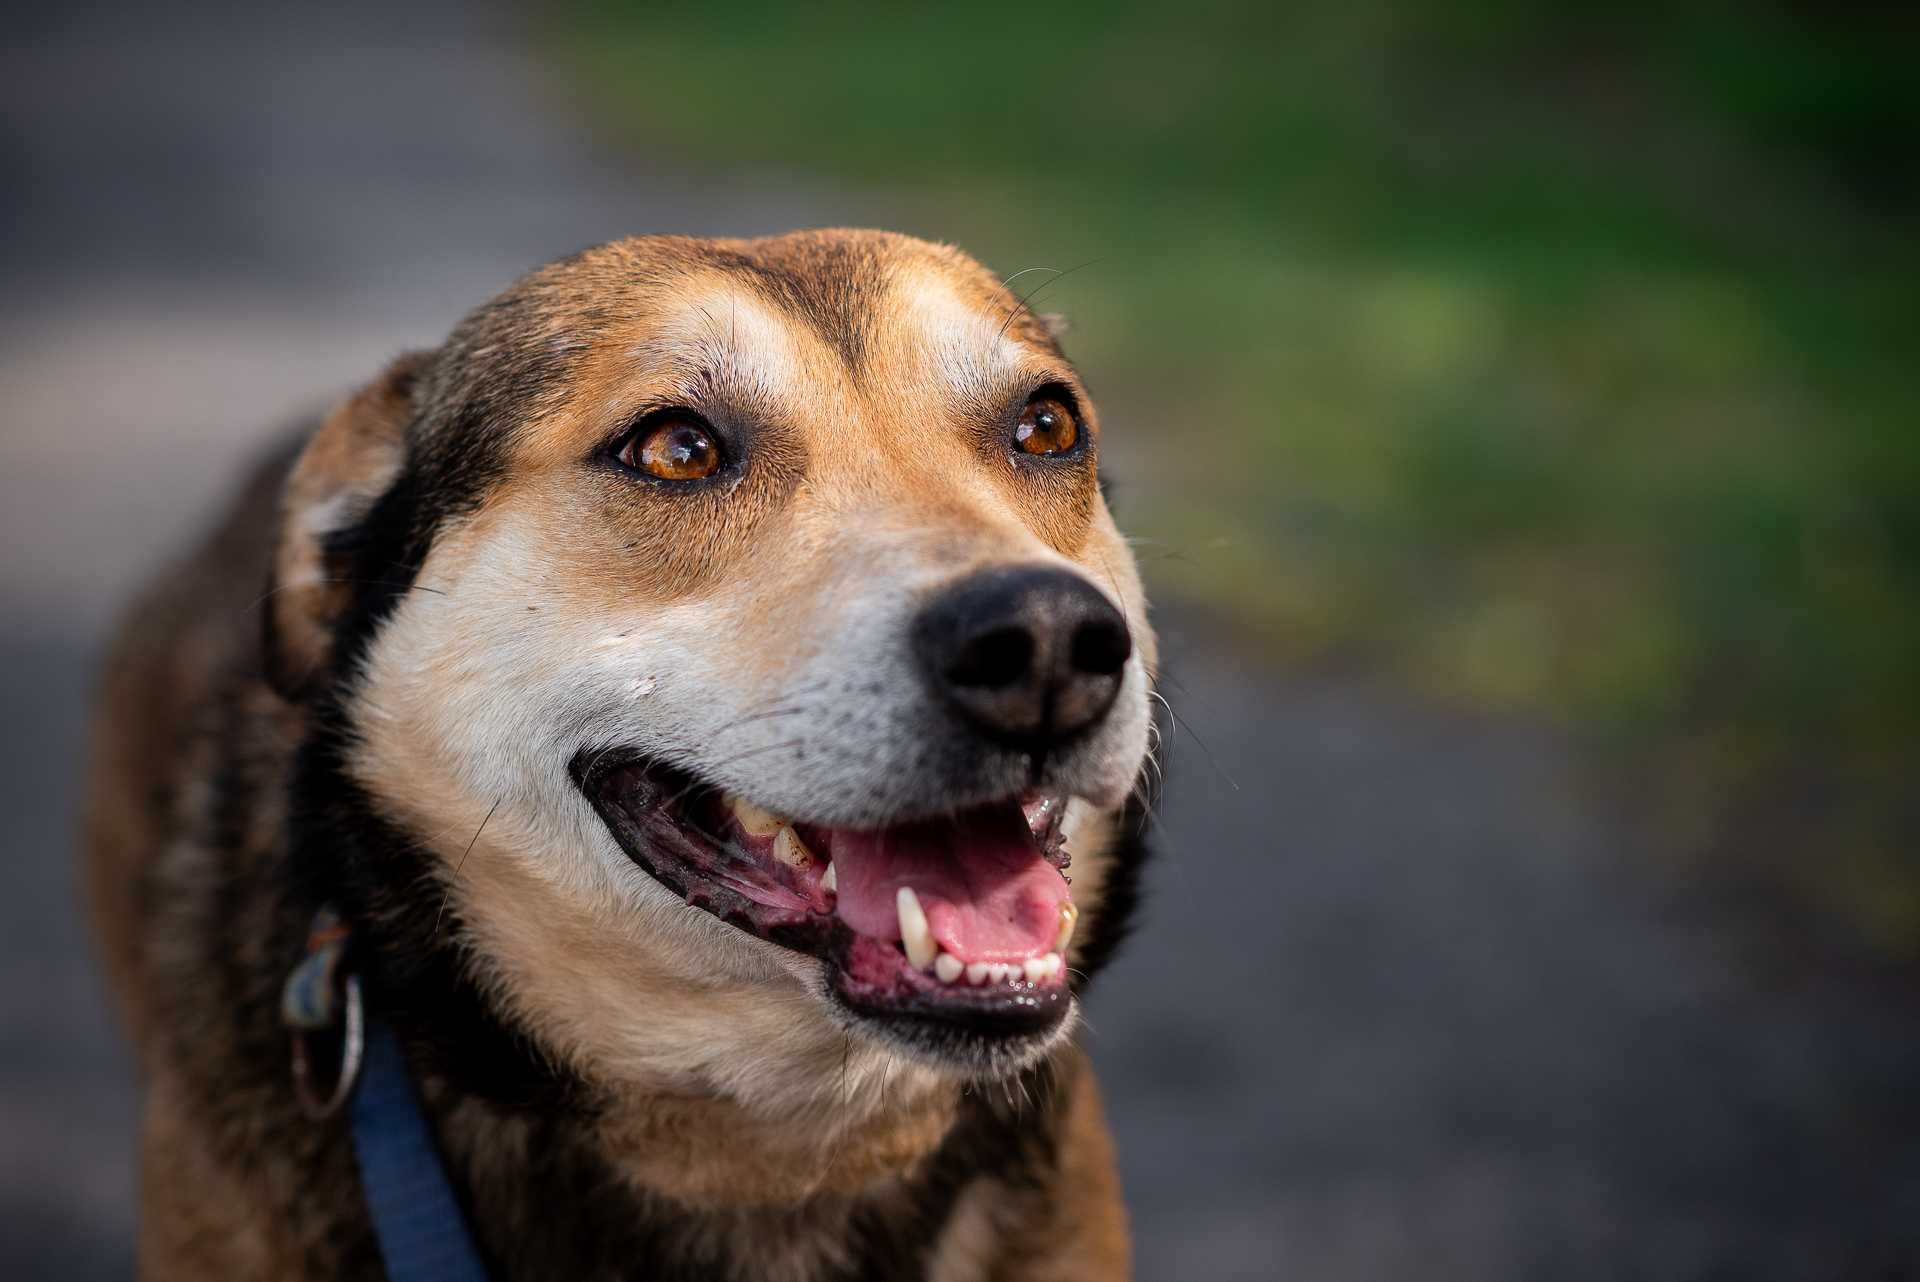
(350, 462)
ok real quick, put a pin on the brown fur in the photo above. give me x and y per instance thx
(869, 445)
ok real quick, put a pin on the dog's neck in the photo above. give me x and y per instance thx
(652, 1185)
(704, 1152)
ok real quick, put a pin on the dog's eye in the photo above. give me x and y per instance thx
(673, 448)
(1046, 426)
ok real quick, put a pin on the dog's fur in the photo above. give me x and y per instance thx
(459, 596)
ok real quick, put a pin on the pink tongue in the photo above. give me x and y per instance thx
(987, 893)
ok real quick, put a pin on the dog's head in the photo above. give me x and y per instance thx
(740, 629)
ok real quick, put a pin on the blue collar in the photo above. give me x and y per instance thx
(423, 1236)
(417, 1223)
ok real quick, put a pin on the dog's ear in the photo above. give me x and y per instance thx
(343, 471)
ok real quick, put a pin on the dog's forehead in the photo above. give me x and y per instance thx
(819, 314)
(864, 293)
(823, 316)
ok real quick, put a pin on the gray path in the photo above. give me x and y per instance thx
(1399, 1010)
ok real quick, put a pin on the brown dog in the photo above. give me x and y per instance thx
(712, 689)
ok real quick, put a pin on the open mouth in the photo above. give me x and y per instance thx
(946, 929)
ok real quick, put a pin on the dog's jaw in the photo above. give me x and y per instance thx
(946, 937)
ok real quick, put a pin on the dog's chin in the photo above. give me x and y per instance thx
(943, 937)
(993, 1032)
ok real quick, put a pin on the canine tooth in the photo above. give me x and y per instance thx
(1055, 964)
(1036, 968)
(755, 821)
(948, 967)
(830, 881)
(914, 932)
(1069, 918)
(977, 973)
(790, 850)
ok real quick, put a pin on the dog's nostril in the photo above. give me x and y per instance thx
(993, 660)
(1027, 655)
(1100, 648)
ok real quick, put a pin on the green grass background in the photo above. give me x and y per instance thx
(1540, 362)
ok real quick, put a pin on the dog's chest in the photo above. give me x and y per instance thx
(552, 1207)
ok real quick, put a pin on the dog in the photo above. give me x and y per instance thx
(711, 695)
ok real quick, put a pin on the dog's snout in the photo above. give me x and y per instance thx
(1031, 654)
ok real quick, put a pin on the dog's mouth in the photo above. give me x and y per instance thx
(946, 927)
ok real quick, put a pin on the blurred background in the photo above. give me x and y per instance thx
(1519, 418)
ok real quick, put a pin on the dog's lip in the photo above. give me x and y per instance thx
(687, 836)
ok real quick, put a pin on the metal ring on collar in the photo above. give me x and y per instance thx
(319, 1102)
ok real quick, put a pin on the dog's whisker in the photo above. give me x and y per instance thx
(1167, 550)
(1179, 725)
(723, 761)
(780, 696)
(1025, 303)
(1113, 580)
(846, 1083)
(1021, 302)
(447, 893)
(782, 704)
(272, 592)
(727, 761)
(771, 714)
(1007, 284)
(597, 758)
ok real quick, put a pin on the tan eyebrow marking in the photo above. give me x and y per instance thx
(960, 341)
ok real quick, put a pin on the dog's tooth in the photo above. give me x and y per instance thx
(1001, 973)
(753, 820)
(1055, 964)
(1069, 918)
(977, 973)
(948, 967)
(1036, 968)
(790, 850)
(914, 931)
(830, 881)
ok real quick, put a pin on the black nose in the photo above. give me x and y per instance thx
(1029, 654)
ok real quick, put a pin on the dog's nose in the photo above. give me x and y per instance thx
(1030, 655)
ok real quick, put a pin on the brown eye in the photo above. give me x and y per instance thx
(1046, 426)
(674, 449)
